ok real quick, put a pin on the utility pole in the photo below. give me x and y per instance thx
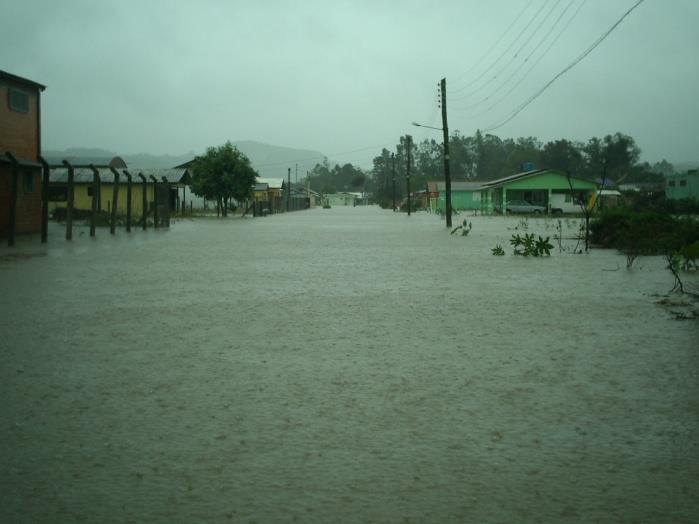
(445, 130)
(288, 190)
(408, 144)
(393, 164)
(297, 174)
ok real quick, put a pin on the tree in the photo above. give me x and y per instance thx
(663, 167)
(358, 180)
(620, 154)
(223, 173)
(332, 180)
(562, 155)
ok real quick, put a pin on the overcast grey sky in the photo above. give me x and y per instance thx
(177, 76)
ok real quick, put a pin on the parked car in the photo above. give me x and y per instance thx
(522, 206)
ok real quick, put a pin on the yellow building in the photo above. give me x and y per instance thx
(84, 184)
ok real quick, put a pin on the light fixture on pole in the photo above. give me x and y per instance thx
(447, 175)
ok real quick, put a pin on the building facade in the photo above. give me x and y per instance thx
(550, 189)
(682, 185)
(20, 135)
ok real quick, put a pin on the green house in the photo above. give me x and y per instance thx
(685, 185)
(464, 195)
(551, 189)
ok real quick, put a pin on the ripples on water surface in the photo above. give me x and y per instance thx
(348, 365)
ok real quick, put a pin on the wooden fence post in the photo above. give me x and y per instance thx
(13, 200)
(115, 200)
(70, 200)
(44, 200)
(95, 189)
(144, 210)
(166, 185)
(128, 200)
(155, 200)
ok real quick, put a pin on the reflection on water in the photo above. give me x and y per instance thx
(346, 365)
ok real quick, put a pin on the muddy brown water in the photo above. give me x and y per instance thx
(343, 365)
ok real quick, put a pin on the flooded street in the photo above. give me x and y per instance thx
(342, 365)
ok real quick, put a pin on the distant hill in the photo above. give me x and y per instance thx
(269, 160)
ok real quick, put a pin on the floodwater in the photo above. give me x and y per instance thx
(343, 365)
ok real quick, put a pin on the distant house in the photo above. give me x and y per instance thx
(542, 187)
(339, 199)
(269, 189)
(642, 187)
(464, 195)
(683, 185)
(20, 135)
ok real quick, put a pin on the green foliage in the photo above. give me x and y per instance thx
(688, 256)
(498, 251)
(487, 157)
(327, 179)
(644, 233)
(223, 173)
(659, 203)
(528, 245)
(358, 180)
(648, 233)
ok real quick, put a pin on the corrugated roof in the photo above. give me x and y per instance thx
(273, 183)
(512, 178)
(461, 186)
(526, 174)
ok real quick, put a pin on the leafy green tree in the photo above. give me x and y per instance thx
(223, 174)
(358, 180)
(333, 179)
(563, 155)
(380, 182)
(663, 168)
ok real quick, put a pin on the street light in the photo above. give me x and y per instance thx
(428, 127)
(447, 175)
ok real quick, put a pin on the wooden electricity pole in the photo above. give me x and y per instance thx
(408, 144)
(393, 168)
(445, 130)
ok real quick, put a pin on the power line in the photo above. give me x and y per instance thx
(286, 162)
(485, 71)
(502, 36)
(565, 70)
(513, 58)
(533, 66)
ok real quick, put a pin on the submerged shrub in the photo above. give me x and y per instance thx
(498, 251)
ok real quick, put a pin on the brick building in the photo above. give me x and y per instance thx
(20, 135)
